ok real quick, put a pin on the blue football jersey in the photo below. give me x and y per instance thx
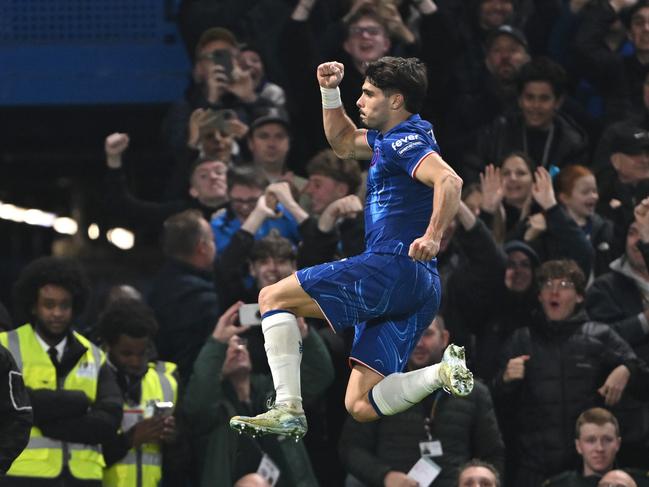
(398, 207)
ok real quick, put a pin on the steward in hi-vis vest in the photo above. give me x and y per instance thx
(134, 456)
(74, 394)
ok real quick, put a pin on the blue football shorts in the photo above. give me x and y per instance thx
(390, 299)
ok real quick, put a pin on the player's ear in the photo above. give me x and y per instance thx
(397, 101)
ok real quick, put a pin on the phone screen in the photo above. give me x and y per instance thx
(223, 57)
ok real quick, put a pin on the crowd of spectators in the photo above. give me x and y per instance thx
(541, 106)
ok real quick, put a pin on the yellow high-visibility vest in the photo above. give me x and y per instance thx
(142, 467)
(45, 457)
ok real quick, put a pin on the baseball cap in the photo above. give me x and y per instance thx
(273, 115)
(519, 245)
(507, 30)
(215, 34)
(628, 139)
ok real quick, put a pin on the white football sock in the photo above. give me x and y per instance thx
(283, 344)
(400, 391)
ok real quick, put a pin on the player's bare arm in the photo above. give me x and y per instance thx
(436, 173)
(346, 140)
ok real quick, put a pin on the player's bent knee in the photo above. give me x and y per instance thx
(274, 297)
(268, 299)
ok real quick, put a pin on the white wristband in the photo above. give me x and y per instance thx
(330, 98)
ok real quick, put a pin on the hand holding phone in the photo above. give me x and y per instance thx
(163, 408)
(249, 315)
(223, 58)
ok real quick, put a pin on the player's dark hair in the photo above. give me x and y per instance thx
(479, 463)
(181, 233)
(545, 70)
(272, 246)
(128, 317)
(400, 75)
(62, 272)
(246, 176)
(327, 163)
(562, 269)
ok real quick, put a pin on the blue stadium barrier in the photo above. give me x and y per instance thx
(61, 52)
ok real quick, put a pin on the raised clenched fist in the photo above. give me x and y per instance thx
(330, 74)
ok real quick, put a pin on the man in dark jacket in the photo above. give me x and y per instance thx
(617, 77)
(469, 264)
(222, 385)
(514, 298)
(336, 226)
(207, 190)
(549, 137)
(15, 411)
(454, 430)
(183, 296)
(619, 298)
(553, 369)
(491, 95)
(624, 182)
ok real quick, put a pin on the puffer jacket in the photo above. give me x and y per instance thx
(569, 361)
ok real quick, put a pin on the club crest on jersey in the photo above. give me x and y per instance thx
(405, 143)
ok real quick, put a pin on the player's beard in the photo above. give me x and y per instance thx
(364, 123)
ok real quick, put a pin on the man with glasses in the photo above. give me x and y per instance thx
(553, 369)
(251, 210)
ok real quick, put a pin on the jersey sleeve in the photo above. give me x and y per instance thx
(408, 150)
(370, 137)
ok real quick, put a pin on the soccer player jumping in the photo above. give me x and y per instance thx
(389, 293)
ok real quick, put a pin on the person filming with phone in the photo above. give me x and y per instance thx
(149, 389)
(222, 384)
(219, 81)
(244, 269)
